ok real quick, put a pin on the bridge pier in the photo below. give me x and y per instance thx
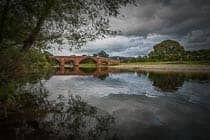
(76, 62)
(62, 62)
(98, 62)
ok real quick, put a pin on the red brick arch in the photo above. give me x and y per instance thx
(78, 59)
(94, 59)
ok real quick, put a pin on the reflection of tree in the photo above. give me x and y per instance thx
(172, 81)
(200, 77)
(103, 77)
(142, 73)
(29, 115)
(167, 81)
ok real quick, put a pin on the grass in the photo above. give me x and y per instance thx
(172, 62)
(87, 65)
(93, 65)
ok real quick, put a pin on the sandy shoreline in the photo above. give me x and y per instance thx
(165, 67)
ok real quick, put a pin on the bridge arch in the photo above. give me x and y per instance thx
(69, 62)
(94, 60)
(104, 62)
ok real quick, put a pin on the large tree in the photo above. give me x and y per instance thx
(26, 23)
(168, 50)
(103, 54)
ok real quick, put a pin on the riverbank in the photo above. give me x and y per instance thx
(165, 67)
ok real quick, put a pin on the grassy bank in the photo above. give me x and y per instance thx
(170, 62)
(165, 67)
(87, 65)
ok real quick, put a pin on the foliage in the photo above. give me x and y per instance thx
(28, 26)
(88, 61)
(87, 65)
(169, 51)
(18, 68)
(33, 115)
(27, 23)
(102, 54)
(200, 55)
(15, 63)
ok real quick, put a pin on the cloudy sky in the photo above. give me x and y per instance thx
(150, 22)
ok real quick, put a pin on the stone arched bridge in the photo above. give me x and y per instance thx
(76, 60)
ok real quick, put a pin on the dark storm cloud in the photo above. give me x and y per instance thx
(126, 46)
(187, 21)
(197, 39)
(177, 17)
(152, 21)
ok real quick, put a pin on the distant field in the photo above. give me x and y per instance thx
(171, 62)
(159, 66)
(87, 65)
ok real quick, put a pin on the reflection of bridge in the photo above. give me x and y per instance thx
(76, 60)
(97, 71)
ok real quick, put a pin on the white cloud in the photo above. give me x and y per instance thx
(127, 46)
(151, 22)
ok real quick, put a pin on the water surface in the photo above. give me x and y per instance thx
(145, 105)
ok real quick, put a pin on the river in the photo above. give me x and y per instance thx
(144, 105)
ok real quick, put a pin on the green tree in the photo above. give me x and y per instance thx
(168, 50)
(95, 55)
(103, 54)
(26, 23)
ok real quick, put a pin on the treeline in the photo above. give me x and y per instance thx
(170, 50)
